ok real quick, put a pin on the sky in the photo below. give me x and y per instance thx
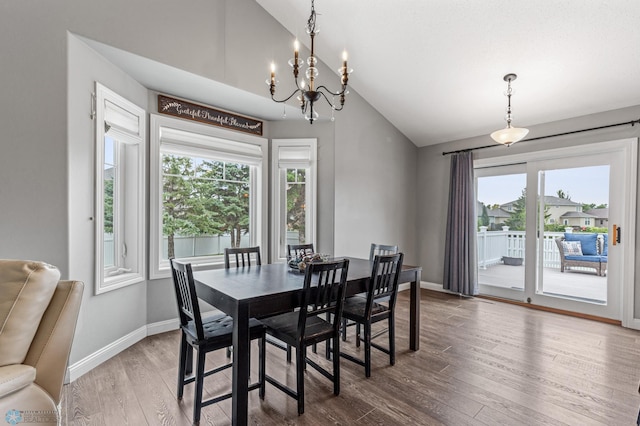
(582, 185)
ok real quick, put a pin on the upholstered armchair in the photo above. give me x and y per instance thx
(38, 315)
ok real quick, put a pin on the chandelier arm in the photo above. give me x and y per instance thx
(333, 106)
(344, 89)
(286, 99)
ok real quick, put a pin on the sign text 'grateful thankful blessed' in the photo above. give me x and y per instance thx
(204, 114)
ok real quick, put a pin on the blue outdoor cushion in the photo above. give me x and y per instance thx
(588, 242)
(603, 259)
(586, 258)
(605, 249)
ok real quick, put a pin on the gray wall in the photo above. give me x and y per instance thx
(109, 316)
(433, 176)
(47, 160)
(375, 195)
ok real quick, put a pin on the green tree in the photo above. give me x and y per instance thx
(517, 221)
(177, 199)
(108, 205)
(484, 218)
(296, 202)
(229, 198)
(563, 195)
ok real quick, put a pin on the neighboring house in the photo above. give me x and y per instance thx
(601, 217)
(497, 216)
(578, 219)
(555, 209)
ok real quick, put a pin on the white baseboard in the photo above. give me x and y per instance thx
(423, 284)
(163, 326)
(90, 362)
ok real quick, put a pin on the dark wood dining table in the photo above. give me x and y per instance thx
(259, 291)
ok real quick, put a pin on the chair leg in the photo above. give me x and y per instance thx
(182, 364)
(344, 330)
(392, 340)
(336, 365)
(367, 349)
(288, 354)
(358, 335)
(188, 369)
(300, 367)
(262, 343)
(197, 396)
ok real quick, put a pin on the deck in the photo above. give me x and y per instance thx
(584, 285)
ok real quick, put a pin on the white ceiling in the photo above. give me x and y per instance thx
(434, 68)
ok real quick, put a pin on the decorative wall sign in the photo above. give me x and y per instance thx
(207, 115)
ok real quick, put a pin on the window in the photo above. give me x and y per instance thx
(120, 214)
(208, 189)
(294, 193)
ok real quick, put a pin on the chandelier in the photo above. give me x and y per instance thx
(509, 135)
(308, 92)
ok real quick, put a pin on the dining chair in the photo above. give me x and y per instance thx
(374, 250)
(299, 250)
(383, 286)
(317, 320)
(242, 256)
(381, 249)
(205, 336)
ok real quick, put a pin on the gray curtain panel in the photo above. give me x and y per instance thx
(460, 258)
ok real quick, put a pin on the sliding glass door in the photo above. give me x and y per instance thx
(546, 226)
(501, 230)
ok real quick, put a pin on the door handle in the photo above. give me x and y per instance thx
(616, 235)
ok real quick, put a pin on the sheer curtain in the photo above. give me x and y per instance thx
(460, 259)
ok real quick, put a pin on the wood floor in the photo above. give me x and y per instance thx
(480, 362)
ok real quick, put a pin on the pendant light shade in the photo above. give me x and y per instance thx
(509, 135)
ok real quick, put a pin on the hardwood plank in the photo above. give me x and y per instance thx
(481, 362)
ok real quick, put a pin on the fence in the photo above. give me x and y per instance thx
(494, 245)
(206, 245)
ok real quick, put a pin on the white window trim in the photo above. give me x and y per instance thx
(311, 193)
(198, 137)
(129, 127)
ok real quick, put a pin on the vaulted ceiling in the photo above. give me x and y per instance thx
(434, 68)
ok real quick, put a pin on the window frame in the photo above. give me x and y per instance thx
(221, 144)
(125, 124)
(278, 223)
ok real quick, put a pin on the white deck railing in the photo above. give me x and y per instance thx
(494, 245)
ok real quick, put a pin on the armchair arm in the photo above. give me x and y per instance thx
(15, 377)
(49, 351)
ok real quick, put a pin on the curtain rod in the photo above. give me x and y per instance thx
(632, 123)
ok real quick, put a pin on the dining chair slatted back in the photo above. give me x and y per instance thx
(379, 305)
(324, 290)
(381, 249)
(323, 295)
(299, 250)
(204, 336)
(242, 256)
(384, 280)
(187, 299)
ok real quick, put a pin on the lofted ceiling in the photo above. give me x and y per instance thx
(434, 68)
